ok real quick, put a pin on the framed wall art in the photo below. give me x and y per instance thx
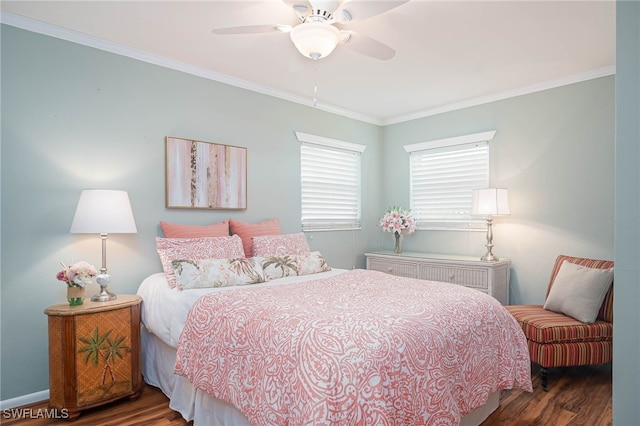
(205, 175)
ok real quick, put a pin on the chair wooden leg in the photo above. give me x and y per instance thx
(544, 374)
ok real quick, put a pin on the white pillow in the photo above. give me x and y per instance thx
(204, 273)
(295, 265)
(578, 291)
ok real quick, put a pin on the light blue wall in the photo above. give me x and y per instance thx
(74, 118)
(626, 334)
(554, 151)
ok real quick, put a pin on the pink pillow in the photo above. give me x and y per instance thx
(171, 249)
(281, 245)
(246, 231)
(173, 230)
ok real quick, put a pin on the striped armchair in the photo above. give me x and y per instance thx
(556, 340)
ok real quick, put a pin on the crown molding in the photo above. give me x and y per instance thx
(119, 49)
(95, 42)
(551, 84)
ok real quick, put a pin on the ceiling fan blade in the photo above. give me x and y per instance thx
(365, 9)
(249, 29)
(369, 47)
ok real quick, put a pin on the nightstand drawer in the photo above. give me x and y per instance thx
(401, 269)
(468, 277)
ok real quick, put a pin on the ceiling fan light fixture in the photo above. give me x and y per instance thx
(315, 39)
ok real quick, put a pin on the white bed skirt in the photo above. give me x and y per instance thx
(158, 360)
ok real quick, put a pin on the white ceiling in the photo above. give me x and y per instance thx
(449, 53)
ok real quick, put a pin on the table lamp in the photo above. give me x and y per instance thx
(103, 212)
(490, 202)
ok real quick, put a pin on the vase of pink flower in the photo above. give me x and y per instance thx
(400, 222)
(76, 276)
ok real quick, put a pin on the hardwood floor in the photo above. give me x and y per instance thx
(578, 396)
(151, 408)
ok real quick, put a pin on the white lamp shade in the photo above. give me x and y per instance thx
(490, 202)
(102, 211)
(315, 39)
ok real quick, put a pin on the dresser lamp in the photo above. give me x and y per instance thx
(103, 212)
(490, 202)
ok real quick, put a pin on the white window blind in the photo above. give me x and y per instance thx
(442, 180)
(330, 185)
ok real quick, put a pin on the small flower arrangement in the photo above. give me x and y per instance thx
(398, 220)
(77, 275)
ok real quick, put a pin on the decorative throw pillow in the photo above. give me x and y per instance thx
(286, 266)
(205, 273)
(247, 231)
(171, 249)
(281, 245)
(578, 291)
(174, 230)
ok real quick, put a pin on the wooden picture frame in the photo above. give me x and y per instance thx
(205, 175)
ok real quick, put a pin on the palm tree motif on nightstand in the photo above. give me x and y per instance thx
(101, 347)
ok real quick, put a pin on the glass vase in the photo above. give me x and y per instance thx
(75, 295)
(398, 247)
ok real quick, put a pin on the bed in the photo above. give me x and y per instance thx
(337, 347)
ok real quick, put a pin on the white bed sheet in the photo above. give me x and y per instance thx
(165, 309)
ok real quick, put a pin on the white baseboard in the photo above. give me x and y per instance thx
(19, 401)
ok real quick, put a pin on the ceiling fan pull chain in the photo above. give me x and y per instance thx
(315, 87)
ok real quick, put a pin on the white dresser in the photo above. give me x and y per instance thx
(489, 277)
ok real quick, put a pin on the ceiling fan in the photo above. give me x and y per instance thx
(321, 26)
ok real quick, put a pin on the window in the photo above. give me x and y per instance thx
(330, 183)
(443, 174)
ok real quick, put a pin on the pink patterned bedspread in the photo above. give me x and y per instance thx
(362, 347)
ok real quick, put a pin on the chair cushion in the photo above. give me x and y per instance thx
(544, 326)
(578, 291)
(570, 354)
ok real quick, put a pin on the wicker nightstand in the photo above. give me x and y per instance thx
(94, 353)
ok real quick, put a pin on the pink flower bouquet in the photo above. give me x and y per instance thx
(78, 274)
(398, 221)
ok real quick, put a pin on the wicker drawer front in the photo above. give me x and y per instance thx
(401, 269)
(103, 373)
(491, 278)
(469, 277)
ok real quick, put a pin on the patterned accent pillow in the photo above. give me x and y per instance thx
(247, 231)
(286, 266)
(207, 273)
(281, 245)
(195, 249)
(174, 230)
